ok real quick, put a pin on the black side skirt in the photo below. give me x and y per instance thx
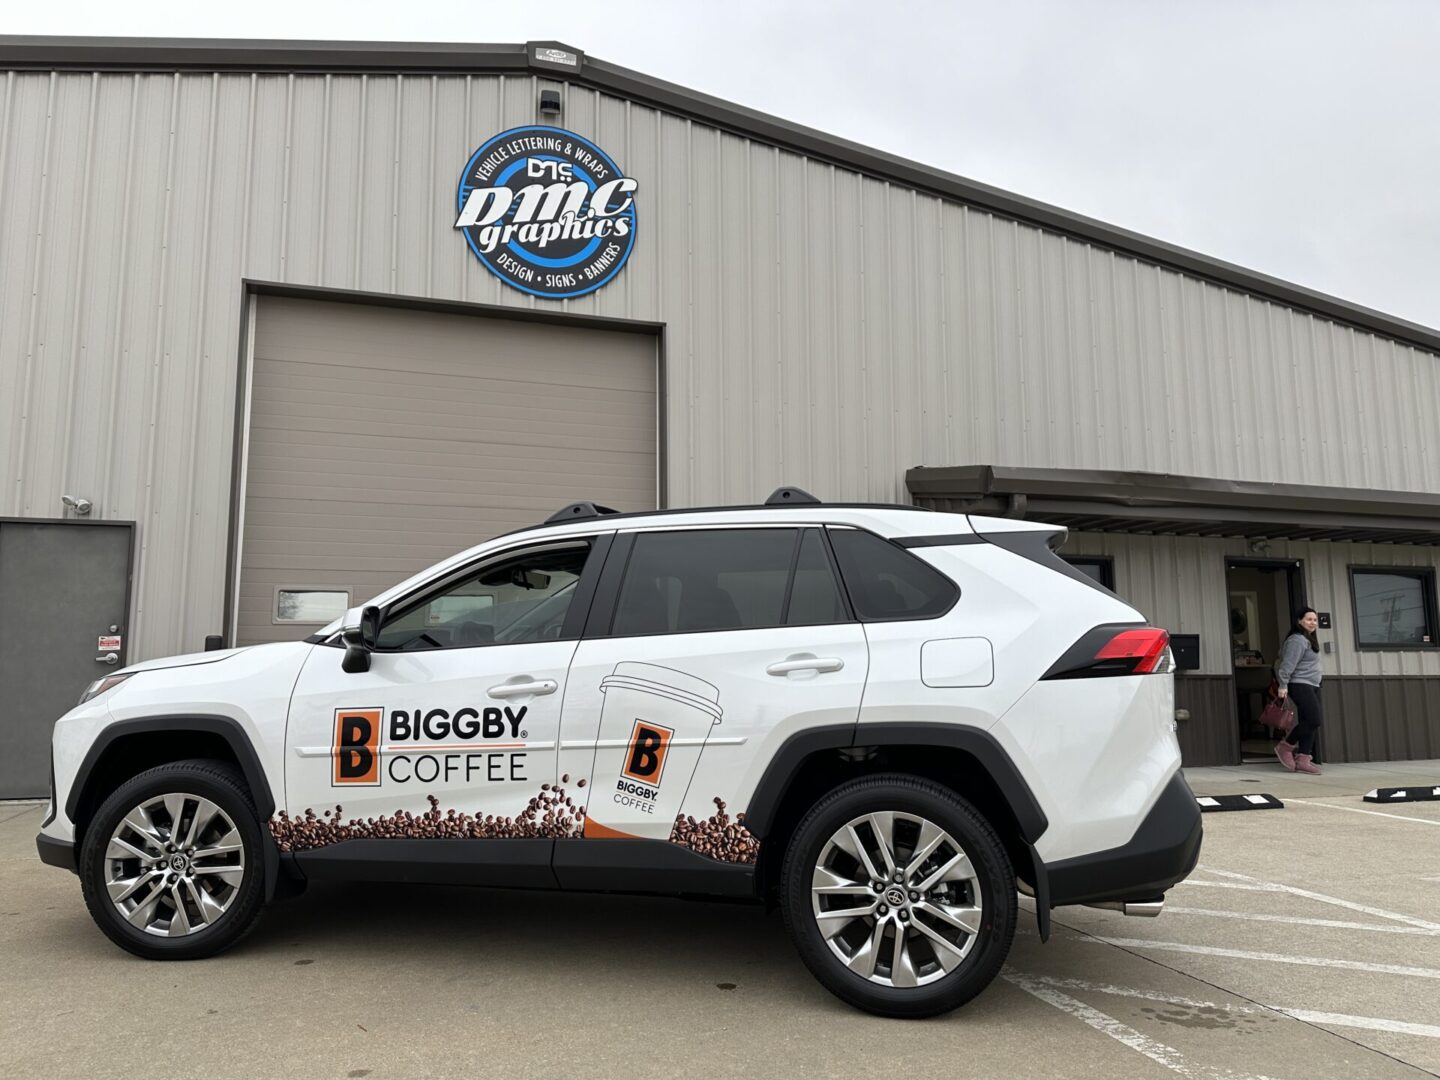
(623, 866)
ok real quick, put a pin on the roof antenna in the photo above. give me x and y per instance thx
(791, 496)
(578, 511)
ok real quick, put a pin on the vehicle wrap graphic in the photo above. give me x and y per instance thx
(654, 727)
(413, 745)
(550, 814)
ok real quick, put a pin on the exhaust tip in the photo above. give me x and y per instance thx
(1145, 909)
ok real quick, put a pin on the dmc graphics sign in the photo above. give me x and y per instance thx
(547, 211)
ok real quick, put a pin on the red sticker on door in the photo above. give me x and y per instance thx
(108, 643)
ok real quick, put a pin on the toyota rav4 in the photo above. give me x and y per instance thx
(884, 720)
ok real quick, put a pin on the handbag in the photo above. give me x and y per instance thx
(1278, 715)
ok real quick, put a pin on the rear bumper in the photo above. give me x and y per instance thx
(56, 852)
(1164, 849)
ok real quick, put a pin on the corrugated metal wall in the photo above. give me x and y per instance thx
(822, 328)
(1179, 582)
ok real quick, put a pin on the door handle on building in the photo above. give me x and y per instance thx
(109, 658)
(805, 663)
(522, 689)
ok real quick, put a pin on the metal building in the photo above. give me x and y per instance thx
(263, 325)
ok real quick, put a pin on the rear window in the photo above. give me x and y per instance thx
(887, 582)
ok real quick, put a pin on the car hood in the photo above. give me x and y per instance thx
(191, 659)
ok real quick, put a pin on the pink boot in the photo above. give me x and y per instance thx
(1305, 765)
(1286, 753)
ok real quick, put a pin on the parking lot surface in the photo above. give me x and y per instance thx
(1306, 945)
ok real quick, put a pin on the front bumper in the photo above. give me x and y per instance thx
(1163, 851)
(56, 852)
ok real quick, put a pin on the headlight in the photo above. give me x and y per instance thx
(99, 686)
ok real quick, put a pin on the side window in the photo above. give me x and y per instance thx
(815, 598)
(887, 582)
(695, 580)
(517, 599)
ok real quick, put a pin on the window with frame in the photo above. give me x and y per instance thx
(698, 580)
(1099, 568)
(515, 599)
(886, 582)
(1394, 607)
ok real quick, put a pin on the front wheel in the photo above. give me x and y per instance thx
(172, 866)
(899, 896)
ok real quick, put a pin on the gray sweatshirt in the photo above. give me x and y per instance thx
(1298, 663)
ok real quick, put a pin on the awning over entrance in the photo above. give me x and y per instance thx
(1162, 504)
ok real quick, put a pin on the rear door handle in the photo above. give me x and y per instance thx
(521, 689)
(805, 663)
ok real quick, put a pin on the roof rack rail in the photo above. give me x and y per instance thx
(578, 511)
(791, 496)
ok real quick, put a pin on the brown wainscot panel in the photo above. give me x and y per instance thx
(1211, 736)
(1380, 717)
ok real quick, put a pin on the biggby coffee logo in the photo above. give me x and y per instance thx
(547, 211)
(428, 745)
(357, 747)
(645, 759)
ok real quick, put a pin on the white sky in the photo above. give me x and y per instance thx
(1300, 138)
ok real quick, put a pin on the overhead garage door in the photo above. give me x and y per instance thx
(382, 440)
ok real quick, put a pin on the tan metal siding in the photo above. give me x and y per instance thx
(823, 328)
(383, 440)
(1179, 583)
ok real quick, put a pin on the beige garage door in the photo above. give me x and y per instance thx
(383, 440)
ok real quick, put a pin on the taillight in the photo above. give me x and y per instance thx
(1145, 646)
(1115, 650)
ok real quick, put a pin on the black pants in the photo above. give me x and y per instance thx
(1308, 717)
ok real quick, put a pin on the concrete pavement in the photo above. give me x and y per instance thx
(1307, 945)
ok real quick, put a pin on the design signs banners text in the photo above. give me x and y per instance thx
(547, 211)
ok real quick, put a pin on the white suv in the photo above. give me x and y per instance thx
(883, 719)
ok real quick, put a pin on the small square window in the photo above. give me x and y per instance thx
(1099, 567)
(318, 606)
(1394, 607)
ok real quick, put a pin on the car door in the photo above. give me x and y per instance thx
(709, 650)
(452, 731)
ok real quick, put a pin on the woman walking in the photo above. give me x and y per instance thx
(1298, 676)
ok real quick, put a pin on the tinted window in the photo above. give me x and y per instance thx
(1098, 569)
(1394, 608)
(887, 582)
(722, 579)
(520, 598)
(815, 595)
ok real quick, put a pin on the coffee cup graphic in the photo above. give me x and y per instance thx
(653, 728)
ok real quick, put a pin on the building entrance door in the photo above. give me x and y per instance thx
(64, 587)
(1262, 595)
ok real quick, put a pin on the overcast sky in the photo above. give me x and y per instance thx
(1299, 138)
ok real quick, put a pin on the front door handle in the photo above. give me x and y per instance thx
(805, 663)
(109, 658)
(521, 689)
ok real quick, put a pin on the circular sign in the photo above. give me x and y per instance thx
(547, 211)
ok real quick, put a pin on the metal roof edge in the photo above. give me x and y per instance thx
(220, 54)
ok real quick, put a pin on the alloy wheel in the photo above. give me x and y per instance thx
(174, 864)
(896, 899)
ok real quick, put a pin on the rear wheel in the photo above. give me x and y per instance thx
(899, 896)
(172, 865)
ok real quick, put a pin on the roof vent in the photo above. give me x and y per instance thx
(579, 511)
(791, 496)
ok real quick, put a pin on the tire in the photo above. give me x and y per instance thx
(932, 977)
(222, 890)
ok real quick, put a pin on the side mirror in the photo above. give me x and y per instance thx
(359, 640)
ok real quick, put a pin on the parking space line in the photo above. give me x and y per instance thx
(1364, 909)
(1372, 813)
(1309, 1016)
(1277, 958)
(1337, 924)
(1156, 1051)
